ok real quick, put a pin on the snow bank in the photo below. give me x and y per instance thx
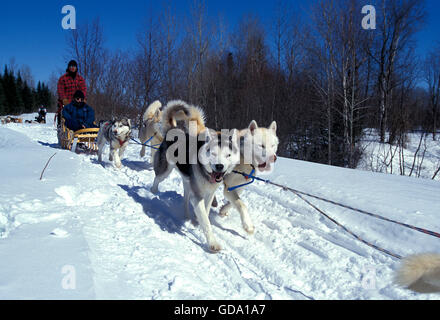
(420, 156)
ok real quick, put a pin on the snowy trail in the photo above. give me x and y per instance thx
(140, 247)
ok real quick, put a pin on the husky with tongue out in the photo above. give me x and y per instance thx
(201, 156)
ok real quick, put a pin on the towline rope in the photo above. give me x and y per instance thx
(155, 146)
(299, 193)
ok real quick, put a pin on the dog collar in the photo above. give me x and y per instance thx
(121, 142)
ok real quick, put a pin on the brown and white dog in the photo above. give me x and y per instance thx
(117, 133)
(258, 147)
(151, 127)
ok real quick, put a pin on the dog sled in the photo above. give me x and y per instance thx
(81, 140)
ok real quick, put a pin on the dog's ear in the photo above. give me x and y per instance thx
(208, 136)
(129, 122)
(273, 126)
(233, 136)
(157, 114)
(253, 126)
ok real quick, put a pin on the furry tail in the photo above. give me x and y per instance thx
(420, 273)
(178, 110)
(151, 110)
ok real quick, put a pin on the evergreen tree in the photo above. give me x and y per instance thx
(7, 89)
(46, 96)
(19, 103)
(28, 98)
(16, 96)
(2, 98)
(38, 94)
(11, 89)
(39, 98)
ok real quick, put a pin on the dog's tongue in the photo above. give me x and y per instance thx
(215, 177)
(264, 167)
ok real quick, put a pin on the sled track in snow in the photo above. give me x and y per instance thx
(305, 238)
(294, 254)
(240, 263)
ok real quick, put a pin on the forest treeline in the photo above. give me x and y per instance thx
(17, 96)
(316, 71)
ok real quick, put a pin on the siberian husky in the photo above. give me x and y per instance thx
(206, 157)
(151, 127)
(118, 134)
(420, 273)
(258, 147)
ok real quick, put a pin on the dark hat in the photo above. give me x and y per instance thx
(78, 94)
(72, 63)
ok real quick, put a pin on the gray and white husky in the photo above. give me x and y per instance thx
(201, 156)
(117, 133)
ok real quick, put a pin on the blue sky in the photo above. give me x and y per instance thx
(31, 31)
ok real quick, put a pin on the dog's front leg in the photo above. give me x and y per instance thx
(142, 153)
(224, 210)
(203, 218)
(100, 150)
(208, 202)
(186, 197)
(114, 156)
(161, 171)
(152, 152)
(101, 145)
(122, 150)
(235, 200)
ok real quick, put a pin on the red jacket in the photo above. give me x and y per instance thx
(67, 86)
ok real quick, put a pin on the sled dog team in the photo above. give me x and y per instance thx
(205, 160)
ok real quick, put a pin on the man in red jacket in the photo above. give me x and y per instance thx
(68, 84)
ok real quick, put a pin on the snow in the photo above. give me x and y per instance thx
(90, 231)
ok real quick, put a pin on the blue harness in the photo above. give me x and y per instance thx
(155, 146)
(247, 176)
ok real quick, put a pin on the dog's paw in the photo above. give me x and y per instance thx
(224, 211)
(214, 247)
(118, 165)
(154, 190)
(249, 228)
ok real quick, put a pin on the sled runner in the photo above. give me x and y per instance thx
(80, 140)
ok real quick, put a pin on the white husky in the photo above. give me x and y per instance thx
(258, 147)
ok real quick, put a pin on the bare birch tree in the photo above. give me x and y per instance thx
(432, 78)
(398, 22)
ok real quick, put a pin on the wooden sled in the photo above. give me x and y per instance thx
(70, 140)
